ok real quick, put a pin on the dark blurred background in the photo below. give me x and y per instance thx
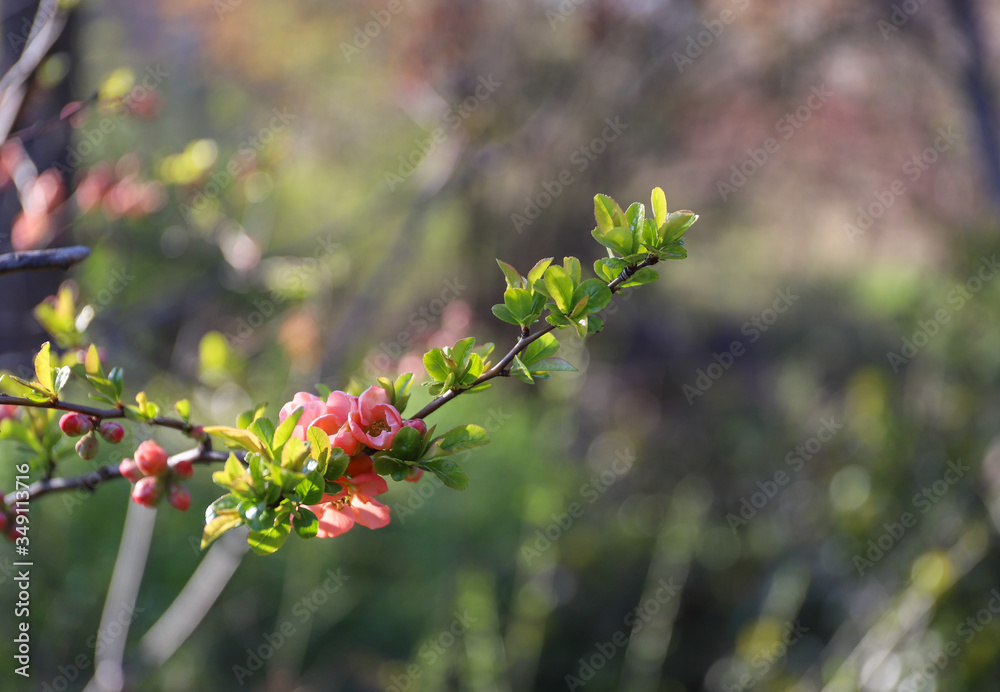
(774, 470)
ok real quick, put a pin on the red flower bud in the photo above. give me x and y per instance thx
(3, 522)
(413, 475)
(129, 469)
(147, 491)
(179, 497)
(151, 458)
(182, 468)
(87, 446)
(74, 424)
(420, 426)
(111, 431)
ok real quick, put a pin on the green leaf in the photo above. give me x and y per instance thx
(243, 439)
(305, 523)
(463, 437)
(676, 226)
(560, 287)
(537, 271)
(219, 526)
(268, 541)
(597, 293)
(386, 465)
(247, 417)
(183, 408)
(312, 488)
(43, 367)
(62, 377)
(319, 445)
(287, 427)
(552, 365)
(450, 473)
(519, 302)
(619, 239)
(408, 444)
(604, 270)
(337, 465)
(437, 364)
(594, 324)
(607, 213)
(501, 311)
(544, 346)
(520, 372)
(658, 202)
(294, 454)
(92, 362)
(571, 265)
(117, 378)
(650, 235)
(514, 279)
(263, 428)
(460, 351)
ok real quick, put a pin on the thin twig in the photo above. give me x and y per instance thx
(500, 369)
(55, 258)
(89, 481)
(100, 413)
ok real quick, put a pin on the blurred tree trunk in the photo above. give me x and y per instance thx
(20, 334)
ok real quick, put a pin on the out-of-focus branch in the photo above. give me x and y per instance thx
(91, 480)
(56, 258)
(48, 24)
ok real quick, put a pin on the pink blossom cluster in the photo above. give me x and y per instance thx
(355, 424)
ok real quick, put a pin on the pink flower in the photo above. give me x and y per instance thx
(330, 416)
(339, 513)
(7, 411)
(374, 421)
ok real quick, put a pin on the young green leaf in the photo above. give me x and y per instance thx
(560, 287)
(537, 271)
(520, 372)
(437, 364)
(269, 540)
(658, 201)
(514, 279)
(450, 473)
(287, 427)
(501, 311)
(43, 367)
(597, 293)
(243, 439)
(463, 437)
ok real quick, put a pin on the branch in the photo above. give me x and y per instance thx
(56, 258)
(500, 369)
(99, 413)
(89, 481)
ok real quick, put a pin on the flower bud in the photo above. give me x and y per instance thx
(74, 424)
(413, 475)
(129, 469)
(87, 446)
(179, 497)
(147, 491)
(151, 458)
(111, 431)
(182, 468)
(418, 424)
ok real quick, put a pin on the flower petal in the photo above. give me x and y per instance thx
(333, 522)
(370, 513)
(370, 484)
